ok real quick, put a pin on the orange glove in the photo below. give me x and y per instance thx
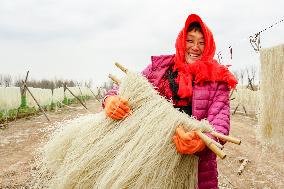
(187, 142)
(116, 107)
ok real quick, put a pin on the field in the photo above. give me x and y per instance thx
(19, 141)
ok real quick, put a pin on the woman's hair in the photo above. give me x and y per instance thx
(194, 26)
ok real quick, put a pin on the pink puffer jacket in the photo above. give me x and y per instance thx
(210, 101)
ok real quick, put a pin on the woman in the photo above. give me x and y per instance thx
(197, 85)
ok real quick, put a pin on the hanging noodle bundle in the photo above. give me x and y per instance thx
(101, 153)
(271, 119)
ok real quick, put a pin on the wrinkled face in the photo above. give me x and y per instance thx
(194, 47)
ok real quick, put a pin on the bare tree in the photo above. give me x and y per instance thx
(107, 85)
(242, 76)
(89, 83)
(1, 79)
(18, 80)
(236, 74)
(7, 80)
(70, 83)
(59, 83)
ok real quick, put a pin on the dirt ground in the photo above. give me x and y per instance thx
(18, 142)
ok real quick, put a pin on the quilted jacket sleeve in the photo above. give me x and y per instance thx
(219, 111)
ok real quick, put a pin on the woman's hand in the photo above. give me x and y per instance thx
(116, 107)
(187, 142)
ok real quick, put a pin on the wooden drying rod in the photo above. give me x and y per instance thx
(210, 143)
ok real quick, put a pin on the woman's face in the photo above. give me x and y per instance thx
(194, 47)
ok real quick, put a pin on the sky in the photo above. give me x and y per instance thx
(81, 40)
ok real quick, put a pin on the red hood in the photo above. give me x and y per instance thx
(205, 69)
(209, 50)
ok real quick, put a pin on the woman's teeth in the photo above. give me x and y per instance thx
(193, 55)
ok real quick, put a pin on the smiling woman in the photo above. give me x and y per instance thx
(196, 84)
(195, 43)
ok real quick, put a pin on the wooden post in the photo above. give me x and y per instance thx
(92, 92)
(232, 92)
(75, 96)
(23, 89)
(236, 109)
(245, 109)
(96, 96)
(64, 89)
(26, 79)
(25, 85)
(99, 92)
(250, 83)
(82, 95)
(23, 93)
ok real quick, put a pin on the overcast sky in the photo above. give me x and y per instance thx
(81, 40)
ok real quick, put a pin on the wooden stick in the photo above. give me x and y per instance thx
(121, 67)
(218, 144)
(211, 145)
(25, 85)
(76, 97)
(226, 138)
(114, 79)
